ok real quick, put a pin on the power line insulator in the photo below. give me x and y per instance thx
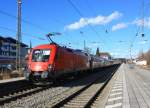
(106, 31)
(143, 34)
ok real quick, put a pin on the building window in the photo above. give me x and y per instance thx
(13, 47)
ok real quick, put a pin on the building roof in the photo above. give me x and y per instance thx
(2, 39)
(104, 54)
(11, 40)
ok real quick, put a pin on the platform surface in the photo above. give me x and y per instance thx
(131, 89)
(12, 80)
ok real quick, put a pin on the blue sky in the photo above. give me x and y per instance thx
(121, 18)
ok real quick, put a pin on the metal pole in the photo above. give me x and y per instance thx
(18, 54)
(142, 16)
(142, 34)
(130, 53)
(84, 45)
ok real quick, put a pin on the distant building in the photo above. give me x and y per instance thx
(123, 60)
(8, 49)
(140, 62)
(105, 55)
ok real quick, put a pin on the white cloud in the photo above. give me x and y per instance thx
(119, 26)
(114, 53)
(98, 20)
(139, 22)
(142, 42)
(95, 44)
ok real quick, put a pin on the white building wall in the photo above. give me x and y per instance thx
(143, 62)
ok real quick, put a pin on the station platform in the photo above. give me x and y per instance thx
(131, 88)
(12, 80)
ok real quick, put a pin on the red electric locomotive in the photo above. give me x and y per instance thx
(50, 61)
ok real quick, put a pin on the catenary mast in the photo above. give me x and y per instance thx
(18, 38)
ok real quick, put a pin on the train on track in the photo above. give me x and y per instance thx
(48, 62)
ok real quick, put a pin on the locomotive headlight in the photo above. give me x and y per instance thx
(38, 67)
(29, 66)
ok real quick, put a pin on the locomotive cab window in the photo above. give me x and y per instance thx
(41, 55)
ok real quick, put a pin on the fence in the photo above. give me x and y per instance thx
(8, 70)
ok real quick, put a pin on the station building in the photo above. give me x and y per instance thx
(8, 49)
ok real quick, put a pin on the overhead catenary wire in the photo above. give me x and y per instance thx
(41, 27)
(104, 27)
(140, 28)
(92, 10)
(29, 23)
(23, 33)
(132, 41)
(38, 26)
(78, 11)
(23, 20)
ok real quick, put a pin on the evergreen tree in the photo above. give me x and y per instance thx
(97, 52)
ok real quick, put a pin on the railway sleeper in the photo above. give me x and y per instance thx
(70, 106)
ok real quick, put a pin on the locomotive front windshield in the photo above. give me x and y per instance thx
(41, 55)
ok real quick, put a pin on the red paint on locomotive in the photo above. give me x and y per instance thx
(50, 61)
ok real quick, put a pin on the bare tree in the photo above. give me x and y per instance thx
(145, 56)
(97, 52)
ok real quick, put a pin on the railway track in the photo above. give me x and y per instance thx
(86, 96)
(9, 88)
(19, 93)
(56, 96)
